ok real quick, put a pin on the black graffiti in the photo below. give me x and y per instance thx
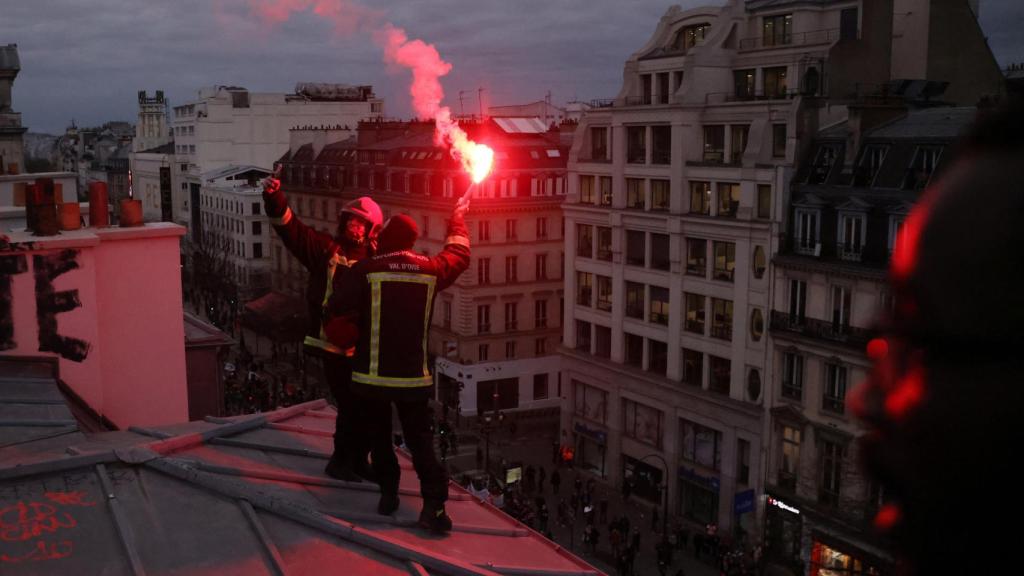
(49, 302)
(9, 266)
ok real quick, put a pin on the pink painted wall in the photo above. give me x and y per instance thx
(128, 283)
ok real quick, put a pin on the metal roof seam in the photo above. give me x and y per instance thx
(120, 522)
(275, 555)
(61, 465)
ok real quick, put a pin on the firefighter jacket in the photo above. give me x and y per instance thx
(325, 259)
(385, 308)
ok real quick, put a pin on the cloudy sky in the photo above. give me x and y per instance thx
(86, 60)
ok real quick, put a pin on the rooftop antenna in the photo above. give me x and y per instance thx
(480, 101)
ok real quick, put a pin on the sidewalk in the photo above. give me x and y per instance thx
(536, 451)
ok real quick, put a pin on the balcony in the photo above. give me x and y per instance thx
(661, 157)
(724, 274)
(636, 156)
(826, 36)
(639, 100)
(833, 404)
(849, 251)
(822, 330)
(695, 326)
(721, 331)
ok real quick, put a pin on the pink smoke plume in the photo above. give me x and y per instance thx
(421, 58)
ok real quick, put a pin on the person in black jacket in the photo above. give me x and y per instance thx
(329, 260)
(385, 310)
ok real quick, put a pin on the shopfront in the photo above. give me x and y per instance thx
(698, 496)
(645, 478)
(591, 447)
(784, 523)
(831, 556)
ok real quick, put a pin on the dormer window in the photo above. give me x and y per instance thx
(896, 236)
(870, 162)
(926, 158)
(689, 36)
(806, 239)
(823, 162)
(851, 235)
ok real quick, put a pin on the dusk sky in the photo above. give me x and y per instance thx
(86, 60)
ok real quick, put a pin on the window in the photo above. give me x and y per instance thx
(585, 240)
(743, 82)
(764, 201)
(483, 271)
(604, 243)
(661, 139)
(635, 248)
(926, 158)
(701, 445)
(590, 402)
(660, 251)
(774, 82)
(760, 262)
(700, 198)
(841, 296)
(756, 324)
(742, 461)
(693, 367)
(739, 143)
(790, 458)
(604, 293)
(511, 269)
(541, 267)
(587, 190)
(634, 350)
(540, 313)
(483, 319)
(721, 319)
(689, 36)
(483, 229)
(728, 200)
(540, 386)
(584, 288)
(257, 228)
(834, 396)
(510, 350)
(540, 346)
(510, 230)
(797, 300)
(636, 144)
(721, 374)
(257, 250)
(446, 316)
(778, 140)
(848, 24)
(714, 144)
(606, 190)
(660, 195)
(659, 306)
(777, 30)
(824, 160)
(831, 473)
(662, 78)
(511, 316)
(870, 162)
(256, 208)
(896, 236)
(792, 376)
(542, 228)
(807, 232)
(634, 300)
(602, 341)
(583, 336)
(642, 422)
(696, 257)
(598, 143)
(634, 193)
(851, 236)
(694, 313)
(481, 352)
(725, 261)
(657, 357)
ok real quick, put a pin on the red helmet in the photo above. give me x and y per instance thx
(368, 210)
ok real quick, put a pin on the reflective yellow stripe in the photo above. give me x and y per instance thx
(332, 266)
(284, 219)
(322, 344)
(459, 240)
(390, 382)
(376, 279)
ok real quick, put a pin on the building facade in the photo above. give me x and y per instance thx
(12, 145)
(497, 329)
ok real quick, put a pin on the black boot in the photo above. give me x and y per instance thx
(340, 470)
(387, 505)
(434, 518)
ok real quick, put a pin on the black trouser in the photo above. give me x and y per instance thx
(374, 415)
(348, 447)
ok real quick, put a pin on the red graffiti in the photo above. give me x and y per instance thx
(69, 498)
(42, 551)
(22, 521)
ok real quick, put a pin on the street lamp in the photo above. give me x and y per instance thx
(664, 488)
(487, 427)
